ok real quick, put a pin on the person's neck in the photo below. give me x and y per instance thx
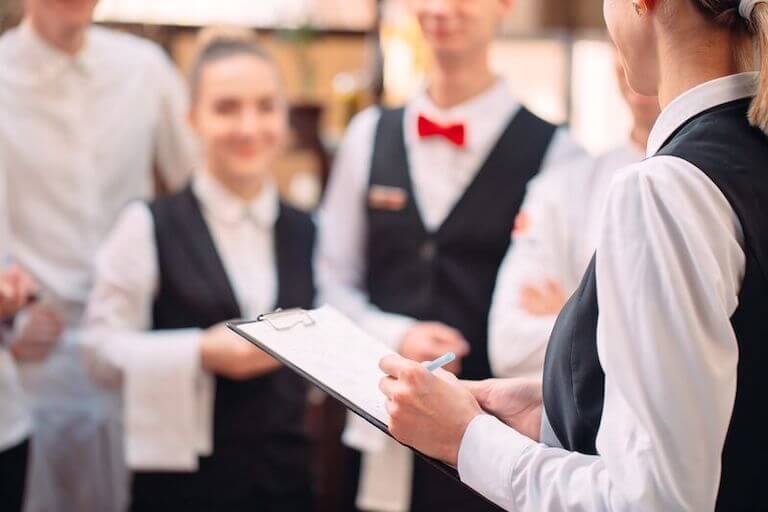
(639, 136)
(683, 66)
(245, 189)
(67, 40)
(452, 81)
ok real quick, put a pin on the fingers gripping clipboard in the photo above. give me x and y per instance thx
(330, 351)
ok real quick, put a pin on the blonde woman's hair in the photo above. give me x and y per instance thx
(726, 13)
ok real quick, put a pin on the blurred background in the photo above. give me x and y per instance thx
(339, 56)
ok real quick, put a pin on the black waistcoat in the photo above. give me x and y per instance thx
(449, 275)
(259, 442)
(734, 156)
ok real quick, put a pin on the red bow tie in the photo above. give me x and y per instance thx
(455, 133)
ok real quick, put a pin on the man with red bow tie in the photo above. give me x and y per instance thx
(416, 221)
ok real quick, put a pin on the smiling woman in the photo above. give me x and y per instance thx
(243, 128)
(224, 247)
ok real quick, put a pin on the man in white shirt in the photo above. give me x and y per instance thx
(417, 220)
(672, 269)
(554, 239)
(87, 113)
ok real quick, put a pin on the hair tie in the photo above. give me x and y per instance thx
(747, 6)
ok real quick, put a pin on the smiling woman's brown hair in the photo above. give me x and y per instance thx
(217, 43)
(726, 13)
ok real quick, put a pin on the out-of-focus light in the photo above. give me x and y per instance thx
(600, 118)
(331, 14)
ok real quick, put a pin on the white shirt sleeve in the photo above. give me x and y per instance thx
(167, 398)
(176, 151)
(563, 151)
(669, 270)
(340, 258)
(517, 339)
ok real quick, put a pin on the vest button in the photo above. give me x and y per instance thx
(428, 250)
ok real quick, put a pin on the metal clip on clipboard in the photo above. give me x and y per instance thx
(286, 319)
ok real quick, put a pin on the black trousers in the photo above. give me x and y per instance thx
(210, 489)
(13, 476)
(302, 501)
(432, 489)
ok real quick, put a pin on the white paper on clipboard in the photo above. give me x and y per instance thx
(329, 350)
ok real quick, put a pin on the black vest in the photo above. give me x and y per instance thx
(449, 275)
(734, 156)
(259, 441)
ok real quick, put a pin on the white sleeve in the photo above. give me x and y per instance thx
(177, 152)
(517, 340)
(340, 262)
(669, 270)
(166, 394)
(563, 152)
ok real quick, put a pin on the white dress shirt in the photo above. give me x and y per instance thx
(167, 397)
(440, 173)
(670, 263)
(79, 137)
(563, 213)
(15, 421)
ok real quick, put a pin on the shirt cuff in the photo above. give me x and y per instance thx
(388, 328)
(488, 455)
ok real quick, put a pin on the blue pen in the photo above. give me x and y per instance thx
(440, 361)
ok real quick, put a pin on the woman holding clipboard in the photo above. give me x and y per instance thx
(654, 381)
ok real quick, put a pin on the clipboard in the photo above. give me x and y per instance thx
(283, 321)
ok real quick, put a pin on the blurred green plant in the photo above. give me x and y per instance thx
(301, 39)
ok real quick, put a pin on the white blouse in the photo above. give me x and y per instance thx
(167, 397)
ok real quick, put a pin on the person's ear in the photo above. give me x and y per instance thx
(643, 7)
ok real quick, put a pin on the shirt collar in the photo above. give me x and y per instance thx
(475, 113)
(219, 202)
(48, 61)
(697, 100)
